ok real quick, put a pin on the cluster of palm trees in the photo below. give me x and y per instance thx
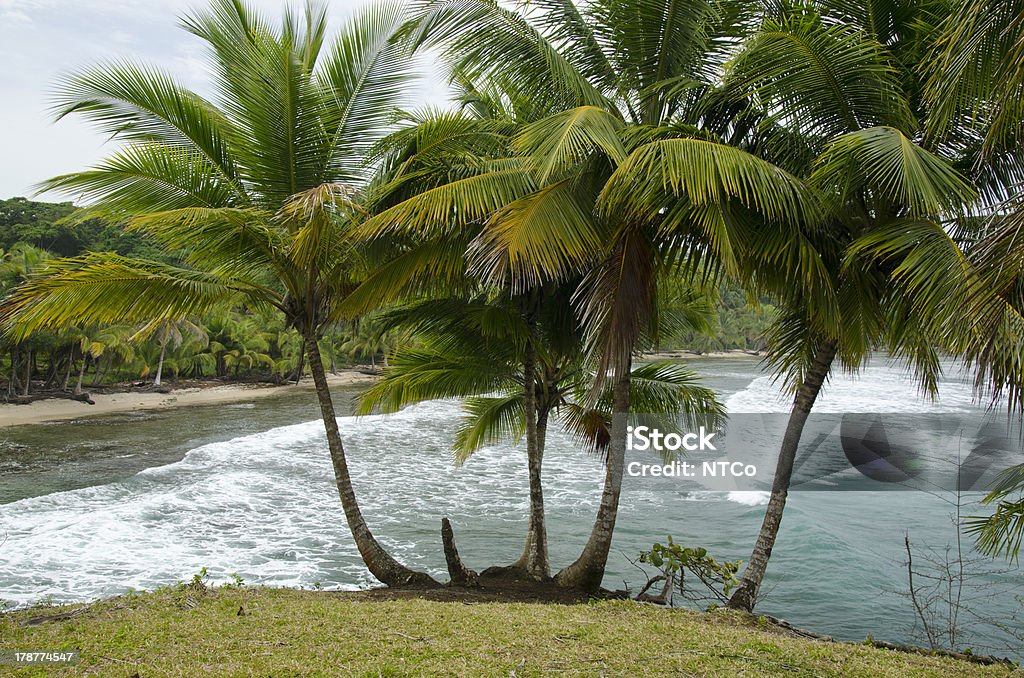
(227, 344)
(604, 165)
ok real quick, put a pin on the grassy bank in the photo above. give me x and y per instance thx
(284, 632)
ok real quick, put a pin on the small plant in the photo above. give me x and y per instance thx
(674, 562)
(317, 586)
(199, 581)
(44, 602)
(236, 580)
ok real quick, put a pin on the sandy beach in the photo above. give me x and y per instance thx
(60, 409)
(690, 355)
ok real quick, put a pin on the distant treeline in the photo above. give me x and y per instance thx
(50, 227)
(233, 343)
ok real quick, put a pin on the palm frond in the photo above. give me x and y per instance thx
(487, 421)
(147, 177)
(704, 173)
(415, 375)
(544, 236)
(885, 160)
(107, 288)
(1002, 533)
(451, 206)
(365, 77)
(144, 105)
(565, 139)
(823, 79)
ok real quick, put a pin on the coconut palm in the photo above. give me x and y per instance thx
(627, 173)
(256, 188)
(170, 333)
(844, 83)
(517, 369)
(16, 265)
(977, 81)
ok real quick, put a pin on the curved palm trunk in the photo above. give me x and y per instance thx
(13, 380)
(378, 561)
(745, 596)
(81, 375)
(535, 554)
(588, 570)
(28, 374)
(67, 371)
(160, 365)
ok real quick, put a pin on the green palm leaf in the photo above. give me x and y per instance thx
(544, 236)
(824, 79)
(415, 375)
(565, 139)
(884, 160)
(452, 205)
(704, 173)
(106, 288)
(488, 421)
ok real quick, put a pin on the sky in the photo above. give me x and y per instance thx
(42, 39)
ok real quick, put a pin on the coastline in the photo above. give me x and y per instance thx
(64, 409)
(692, 355)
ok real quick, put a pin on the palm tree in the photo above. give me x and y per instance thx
(16, 266)
(170, 333)
(844, 84)
(977, 81)
(476, 349)
(627, 173)
(255, 188)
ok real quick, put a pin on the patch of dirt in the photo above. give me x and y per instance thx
(499, 585)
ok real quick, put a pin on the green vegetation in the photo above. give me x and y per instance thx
(232, 343)
(255, 631)
(607, 167)
(57, 229)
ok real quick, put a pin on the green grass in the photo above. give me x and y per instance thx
(187, 631)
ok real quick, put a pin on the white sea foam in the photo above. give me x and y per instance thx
(882, 387)
(265, 505)
(748, 497)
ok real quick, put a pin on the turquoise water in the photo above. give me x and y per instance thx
(95, 507)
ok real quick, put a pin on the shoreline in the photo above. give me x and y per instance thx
(65, 409)
(692, 355)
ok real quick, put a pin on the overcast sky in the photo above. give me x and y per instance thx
(42, 39)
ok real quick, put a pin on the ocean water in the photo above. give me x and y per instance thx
(101, 506)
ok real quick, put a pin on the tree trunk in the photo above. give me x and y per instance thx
(12, 383)
(99, 368)
(67, 372)
(160, 365)
(745, 595)
(458, 573)
(302, 365)
(107, 364)
(81, 373)
(378, 561)
(535, 554)
(28, 374)
(588, 570)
